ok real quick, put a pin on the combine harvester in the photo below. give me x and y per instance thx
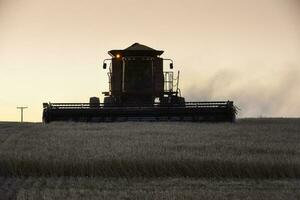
(139, 90)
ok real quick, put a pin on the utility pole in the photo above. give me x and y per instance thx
(21, 108)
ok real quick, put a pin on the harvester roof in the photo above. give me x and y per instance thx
(136, 50)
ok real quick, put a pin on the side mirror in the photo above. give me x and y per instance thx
(171, 65)
(104, 65)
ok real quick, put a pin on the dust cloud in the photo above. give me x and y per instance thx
(257, 94)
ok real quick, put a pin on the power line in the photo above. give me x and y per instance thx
(22, 108)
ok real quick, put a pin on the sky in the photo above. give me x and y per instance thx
(247, 51)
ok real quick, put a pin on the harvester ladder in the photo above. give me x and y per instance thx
(171, 84)
(168, 81)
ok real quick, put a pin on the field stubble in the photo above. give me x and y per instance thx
(76, 188)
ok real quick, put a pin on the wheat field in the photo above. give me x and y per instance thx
(253, 157)
(248, 149)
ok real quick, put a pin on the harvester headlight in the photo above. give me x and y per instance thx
(118, 56)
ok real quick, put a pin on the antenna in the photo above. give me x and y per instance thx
(22, 108)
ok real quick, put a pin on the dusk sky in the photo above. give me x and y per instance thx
(247, 51)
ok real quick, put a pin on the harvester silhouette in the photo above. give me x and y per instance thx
(139, 90)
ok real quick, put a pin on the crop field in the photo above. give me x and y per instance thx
(252, 159)
(138, 188)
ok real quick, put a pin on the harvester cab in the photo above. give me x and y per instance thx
(136, 77)
(140, 90)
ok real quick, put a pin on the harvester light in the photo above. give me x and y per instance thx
(118, 56)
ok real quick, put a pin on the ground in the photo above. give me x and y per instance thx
(251, 159)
